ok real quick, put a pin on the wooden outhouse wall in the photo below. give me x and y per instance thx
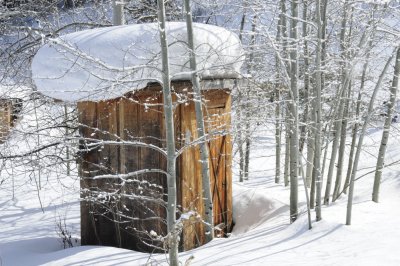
(132, 214)
(9, 109)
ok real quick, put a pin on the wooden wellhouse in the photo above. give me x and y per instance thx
(134, 217)
(112, 74)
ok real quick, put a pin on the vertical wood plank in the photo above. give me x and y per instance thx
(150, 212)
(87, 168)
(191, 184)
(228, 164)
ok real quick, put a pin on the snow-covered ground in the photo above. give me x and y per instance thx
(262, 235)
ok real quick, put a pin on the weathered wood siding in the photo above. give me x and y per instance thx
(217, 122)
(134, 215)
(9, 110)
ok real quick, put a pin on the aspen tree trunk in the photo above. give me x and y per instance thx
(67, 155)
(173, 234)
(338, 113)
(342, 147)
(277, 109)
(304, 121)
(240, 137)
(339, 116)
(354, 135)
(207, 197)
(337, 128)
(317, 109)
(303, 127)
(356, 125)
(287, 150)
(360, 142)
(323, 10)
(310, 156)
(312, 190)
(239, 134)
(118, 12)
(284, 37)
(328, 126)
(351, 162)
(278, 135)
(324, 21)
(343, 131)
(386, 129)
(248, 136)
(39, 184)
(311, 136)
(248, 105)
(307, 199)
(278, 119)
(284, 33)
(294, 123)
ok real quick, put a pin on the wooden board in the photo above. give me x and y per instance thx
(190, 181)
(6, 118)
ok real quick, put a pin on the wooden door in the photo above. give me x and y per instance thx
(217, 122)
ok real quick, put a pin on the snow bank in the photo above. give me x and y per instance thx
(252, 208)
(105, 63)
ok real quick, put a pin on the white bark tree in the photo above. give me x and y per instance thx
(173, 230)
(293, 114)
(204, 154)
(386, 128)
(360, 141)
(317, 109)
(118, 12)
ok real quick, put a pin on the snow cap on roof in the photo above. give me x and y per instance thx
(105, 63)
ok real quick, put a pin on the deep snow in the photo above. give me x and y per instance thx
(262, 235)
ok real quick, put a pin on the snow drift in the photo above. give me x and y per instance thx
(105, 63)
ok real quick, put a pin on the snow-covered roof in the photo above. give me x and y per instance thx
(105, 63)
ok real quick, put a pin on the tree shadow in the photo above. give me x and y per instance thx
(49, 250)
(256, 236)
